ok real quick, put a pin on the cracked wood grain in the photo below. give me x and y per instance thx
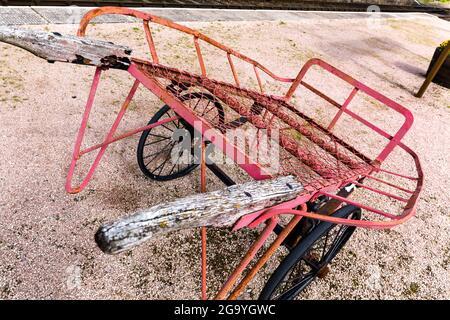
(220, 208)
(53, 46)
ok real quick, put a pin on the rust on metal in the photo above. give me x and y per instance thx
(318, 160)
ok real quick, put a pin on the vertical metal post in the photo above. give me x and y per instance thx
(151, 43)
(266, 256)
(200, 56)
(251, 253)
(203, 230)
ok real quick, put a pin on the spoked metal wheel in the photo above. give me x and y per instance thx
(166, 151)
(310, 257)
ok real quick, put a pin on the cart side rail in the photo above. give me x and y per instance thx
(296, 82)
(343, 108)
(196, 36)
(394, 138)
(388, 219)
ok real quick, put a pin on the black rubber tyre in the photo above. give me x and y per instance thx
(304, 255)
(154, 151)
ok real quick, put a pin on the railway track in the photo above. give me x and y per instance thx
(237, 4)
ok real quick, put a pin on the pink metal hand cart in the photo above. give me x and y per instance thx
(325, 160)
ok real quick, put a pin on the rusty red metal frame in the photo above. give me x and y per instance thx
(357, 177)
(203, 229)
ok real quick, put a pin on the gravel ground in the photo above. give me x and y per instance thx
(46, 238)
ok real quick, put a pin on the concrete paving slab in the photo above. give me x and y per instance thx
(178, 14)
(206, 14)
(287, 15)
(275, 15)
(301, 15)
(262, 15)
(74, 14)
(229, 15)
(20, 16)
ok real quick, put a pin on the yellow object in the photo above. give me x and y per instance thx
(435, 68)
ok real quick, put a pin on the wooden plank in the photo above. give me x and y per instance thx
(53, 46)
(434, 69)
(220, 208)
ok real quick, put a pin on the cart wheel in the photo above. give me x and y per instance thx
(160, 152)
(310, 257)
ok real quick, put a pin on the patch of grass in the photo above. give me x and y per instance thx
(17, 99)
(133, 106)
(304, 55)
(446, 261)
(185, 42)
(115, 102)
(295, 134)
(12, 82)
(352, 253)
(376, 103)
(355, 283)
(5, 291)
(414, 288)
(434, 1)
(409, 29)
(444, 44)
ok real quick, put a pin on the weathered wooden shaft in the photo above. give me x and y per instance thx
(53, 46)
(220, 208)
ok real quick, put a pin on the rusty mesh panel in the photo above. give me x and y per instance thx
(306, 149)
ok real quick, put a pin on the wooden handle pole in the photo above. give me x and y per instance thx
(53, 46)
(221, 208)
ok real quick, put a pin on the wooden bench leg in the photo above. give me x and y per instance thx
(434, 70)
